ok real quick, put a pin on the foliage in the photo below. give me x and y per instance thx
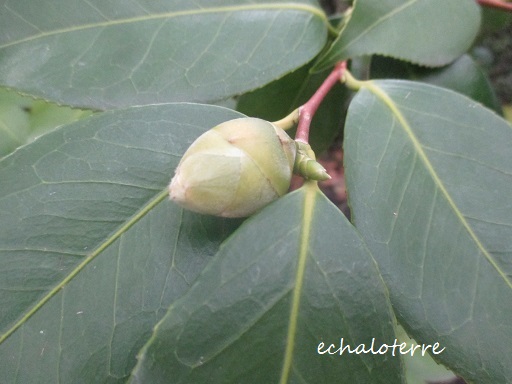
(103, 279)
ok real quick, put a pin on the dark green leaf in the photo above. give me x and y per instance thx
(91, 252)
(275, 290)
(428, 32)
(281, 97)
(494, 20)
(109, 54)
(464, 75)
(429, 175)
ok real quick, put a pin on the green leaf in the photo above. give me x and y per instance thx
(110, 54)
(91, 252)
(44, 117)
(273, 293)
(464, 75)
(429, 175)
(14, 121)
(23, 118)
(494, 20)
(281, 97)
(427, 32)
(422, 369)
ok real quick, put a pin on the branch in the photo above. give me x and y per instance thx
(308, 110)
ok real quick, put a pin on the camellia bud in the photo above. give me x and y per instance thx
(306, 165)
(234, 169)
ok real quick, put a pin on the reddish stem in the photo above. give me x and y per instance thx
(496, 4)
(308, 110)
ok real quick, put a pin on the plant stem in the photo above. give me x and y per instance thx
(288, 121)
(496, 4)
(308, 110)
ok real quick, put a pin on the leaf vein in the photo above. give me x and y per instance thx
(174, 14)
(101, 247)
(386, 99)
(380, 20)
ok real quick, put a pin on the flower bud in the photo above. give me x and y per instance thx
(306, 165)
(234, 169)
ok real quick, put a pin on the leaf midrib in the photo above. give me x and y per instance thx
(167, 15)
(307, 218)
(99, 249)
(386, 99)
(379, 21)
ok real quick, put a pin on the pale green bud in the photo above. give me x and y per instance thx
(234, 169)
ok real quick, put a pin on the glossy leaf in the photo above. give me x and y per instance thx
(429, 175)
(273, 292)
(92, 252)
(427, 32)
(110, 54)
(464, 75)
